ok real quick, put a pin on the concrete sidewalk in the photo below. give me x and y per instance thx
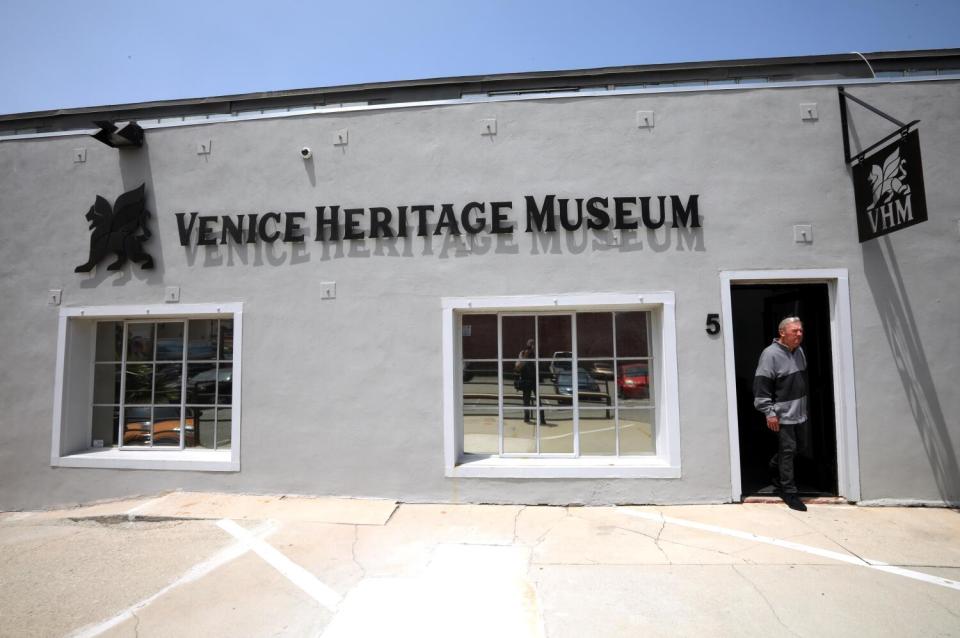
(187, 564)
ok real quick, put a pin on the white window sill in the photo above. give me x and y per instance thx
(584, 467)
(192, 460)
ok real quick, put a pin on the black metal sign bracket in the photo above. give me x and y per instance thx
(859, 157)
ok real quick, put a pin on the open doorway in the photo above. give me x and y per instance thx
(756, 310)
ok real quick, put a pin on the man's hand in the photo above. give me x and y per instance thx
(773, 422)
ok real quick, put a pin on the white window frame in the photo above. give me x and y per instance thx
(71, 382)
(664, 464)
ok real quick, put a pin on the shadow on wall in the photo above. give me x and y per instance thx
(890, 295)
(448, 246)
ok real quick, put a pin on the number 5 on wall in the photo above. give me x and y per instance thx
(713, 323)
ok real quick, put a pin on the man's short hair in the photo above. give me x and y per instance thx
(786, 321)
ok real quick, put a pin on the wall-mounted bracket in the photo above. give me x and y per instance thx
(488, 127)
(644, 119)
(859, 157)
(131, 135)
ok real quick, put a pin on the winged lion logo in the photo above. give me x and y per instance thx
(115, 230)
(889, 180)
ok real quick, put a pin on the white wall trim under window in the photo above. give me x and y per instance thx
(72, 376)
(666, 462)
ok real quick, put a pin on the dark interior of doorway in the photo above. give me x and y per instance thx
(757, 311)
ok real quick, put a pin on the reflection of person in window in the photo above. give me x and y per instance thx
(526, 375)
(138, 348)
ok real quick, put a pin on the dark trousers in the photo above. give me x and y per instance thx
(529, 415)
(794, 439)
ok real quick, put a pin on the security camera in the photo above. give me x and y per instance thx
(306, 153)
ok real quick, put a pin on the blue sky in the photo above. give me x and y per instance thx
(71, 54)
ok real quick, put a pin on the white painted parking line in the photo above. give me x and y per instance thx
(779, 542)
(136, 509)
(470, 591)
(196, 572)
(294, 573)
(18, 516)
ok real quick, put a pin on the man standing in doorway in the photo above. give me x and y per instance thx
(780, 392)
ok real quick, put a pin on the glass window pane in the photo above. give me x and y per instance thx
(200, 425)
(480, 377)
(136, 425)
(106, 383)
(201, 383)
(105, 421)
(589, 388)
(519, 437)
(518, 331)
(481, 429)
(598, 432)
(202, 345)
(225, 384)
(556, 433)
(140, 342)
(226, 339)
(632, 334)
(545, 385)
(479, 336)
(224, 428)
(637, 431)
(601, 369)
(169, 378)
(170, 341)
(555, 336)
(555, 366)
(139, 383)
(519, 380)
(595, 334)
(166, 425)
(481, 391)
(633, 383)
(109, 341)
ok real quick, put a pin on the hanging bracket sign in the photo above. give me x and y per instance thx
(887, 177)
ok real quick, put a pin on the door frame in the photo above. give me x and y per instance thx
(841, 338)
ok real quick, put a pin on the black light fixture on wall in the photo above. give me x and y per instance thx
(130, 135)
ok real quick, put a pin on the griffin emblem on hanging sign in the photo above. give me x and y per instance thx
(889, 180)
(888, 188)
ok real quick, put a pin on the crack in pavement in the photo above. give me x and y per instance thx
(941, 605)
(765, 599)
(136, 626)
(703, 549)
(52, 541)
(516, 520)
(656, 540)
(353, 552)
(849, 551)
(536, 545)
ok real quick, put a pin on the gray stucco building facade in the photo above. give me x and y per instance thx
(345, 282)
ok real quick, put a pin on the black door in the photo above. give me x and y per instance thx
(757, 311)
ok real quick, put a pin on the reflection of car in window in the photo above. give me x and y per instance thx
(633, 381)
(171, 349)
(602, 369)
(587, 387)
(166, 427)
(558, 365)
(202, 386)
